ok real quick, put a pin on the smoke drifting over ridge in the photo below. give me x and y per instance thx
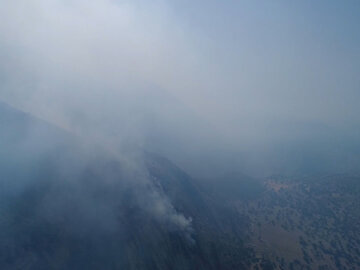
(82, 186)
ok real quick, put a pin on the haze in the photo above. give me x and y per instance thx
(215, 86)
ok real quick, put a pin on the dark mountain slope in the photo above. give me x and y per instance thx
(66, 206)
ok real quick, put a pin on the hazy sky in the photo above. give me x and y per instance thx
(239, 66)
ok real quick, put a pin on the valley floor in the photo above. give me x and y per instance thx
(308, 223)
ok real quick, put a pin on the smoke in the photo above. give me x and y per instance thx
(106, 192)
(78, 184)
